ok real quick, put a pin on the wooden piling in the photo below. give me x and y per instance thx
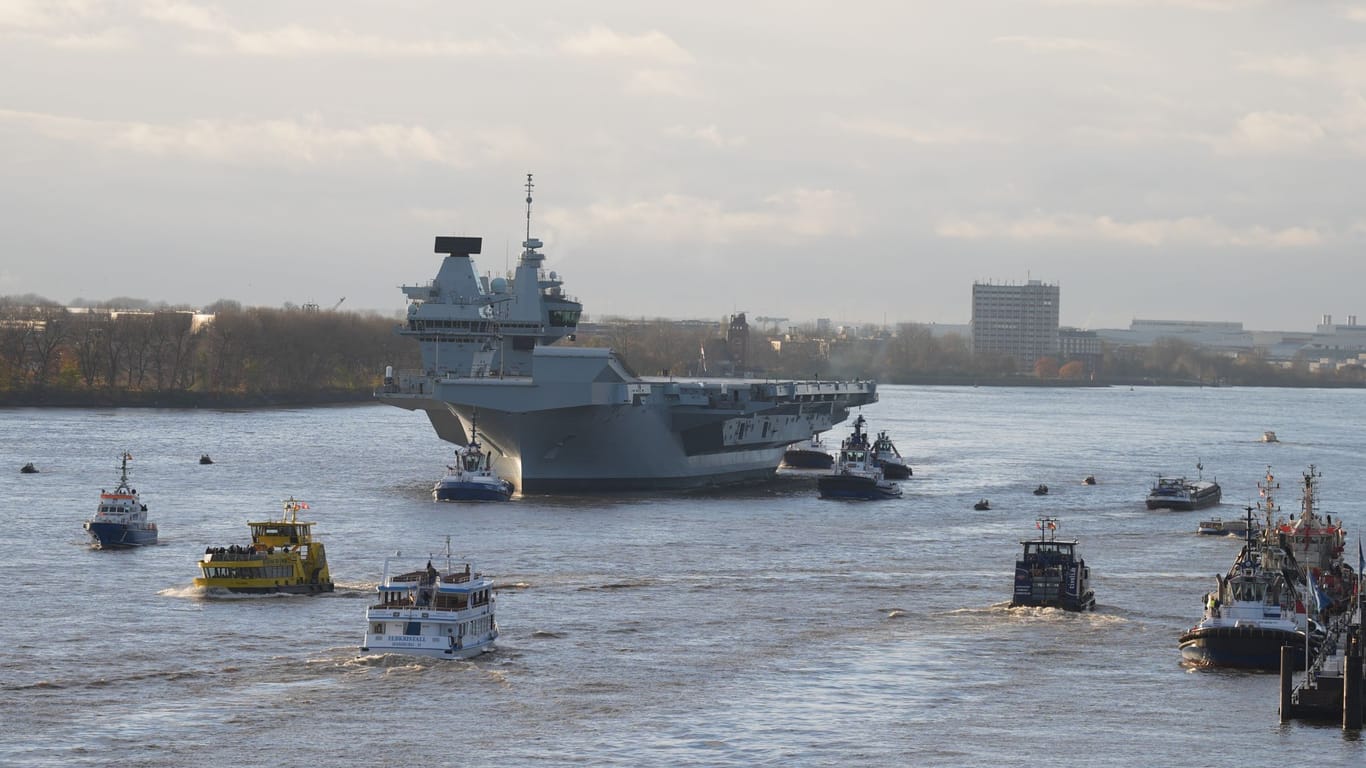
(1287, 680)
(1351, 687)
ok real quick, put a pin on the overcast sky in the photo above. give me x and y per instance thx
(862, 161)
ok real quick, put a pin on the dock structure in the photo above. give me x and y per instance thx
(1331, 687)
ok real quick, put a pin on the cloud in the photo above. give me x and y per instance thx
(218, 35)
(602, 42)
(1189, 230)
(707, 134)
(1060, 44)
(1345, 66)
(785, 217)
(1270, 132)
(300, 142)
(886, 129)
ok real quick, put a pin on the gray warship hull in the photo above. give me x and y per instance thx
(577, 419)
(585, 424)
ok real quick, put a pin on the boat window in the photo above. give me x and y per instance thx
(378, 628)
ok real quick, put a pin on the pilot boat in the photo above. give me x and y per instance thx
(888, 458)
(283, 557)
(1050, 574)
(444, 613)
(120, 521)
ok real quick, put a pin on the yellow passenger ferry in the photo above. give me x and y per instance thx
(283, 557)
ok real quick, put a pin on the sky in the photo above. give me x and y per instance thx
(863, 161)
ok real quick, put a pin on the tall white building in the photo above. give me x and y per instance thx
(1015, 320)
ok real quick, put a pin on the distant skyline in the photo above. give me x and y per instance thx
(1157, 159)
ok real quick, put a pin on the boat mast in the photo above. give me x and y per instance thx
(529, 187)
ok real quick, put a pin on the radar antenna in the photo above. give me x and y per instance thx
(529, 187)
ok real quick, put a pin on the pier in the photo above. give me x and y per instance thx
(1331, 687)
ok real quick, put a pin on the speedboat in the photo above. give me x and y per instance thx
(1254, 611)
(809, 455)
(444, 613)
(1050, 574)
(28, 469)
(1088, 480)
(204, 459)
(1182, 494)
(283, 557)
(982, 505)
(471, 477)
(1042, 490)
(855, 476)
(1269, 437)
(121, 521)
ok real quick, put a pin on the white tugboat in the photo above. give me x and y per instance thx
(442, 613)
(577, 418)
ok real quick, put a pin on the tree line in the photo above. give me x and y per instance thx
(48, 352)
(127, 351)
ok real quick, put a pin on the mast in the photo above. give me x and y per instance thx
(529, 187)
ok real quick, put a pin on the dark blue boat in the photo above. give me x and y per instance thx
(471, 477)
(1049, 574)
(121, 521)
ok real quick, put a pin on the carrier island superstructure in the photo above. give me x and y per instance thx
(568, 418)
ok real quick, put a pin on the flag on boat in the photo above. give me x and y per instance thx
(1321, 599)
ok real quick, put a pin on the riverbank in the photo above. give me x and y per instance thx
(135, 399)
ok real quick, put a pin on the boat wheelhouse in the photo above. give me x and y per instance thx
(888, 458)
(283, 557)
(120, 521)
(444, 613)
(1051, 574)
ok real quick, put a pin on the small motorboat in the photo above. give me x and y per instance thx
(982, 505)
(1088, 480)
(1042, 490)
(28, 469)
(1269, 437)
(204, 459)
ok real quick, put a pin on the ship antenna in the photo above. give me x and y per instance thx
(529, 187)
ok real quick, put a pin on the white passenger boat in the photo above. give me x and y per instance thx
(442, 613)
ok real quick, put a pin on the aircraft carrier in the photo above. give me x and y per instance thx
(568, 418)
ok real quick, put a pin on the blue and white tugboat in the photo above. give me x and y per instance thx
(1049, 574)
(120, 522)
(471, 477)
(442, 613)
(854, 475)
(1254, 611)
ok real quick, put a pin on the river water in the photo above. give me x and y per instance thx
(760, 626)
